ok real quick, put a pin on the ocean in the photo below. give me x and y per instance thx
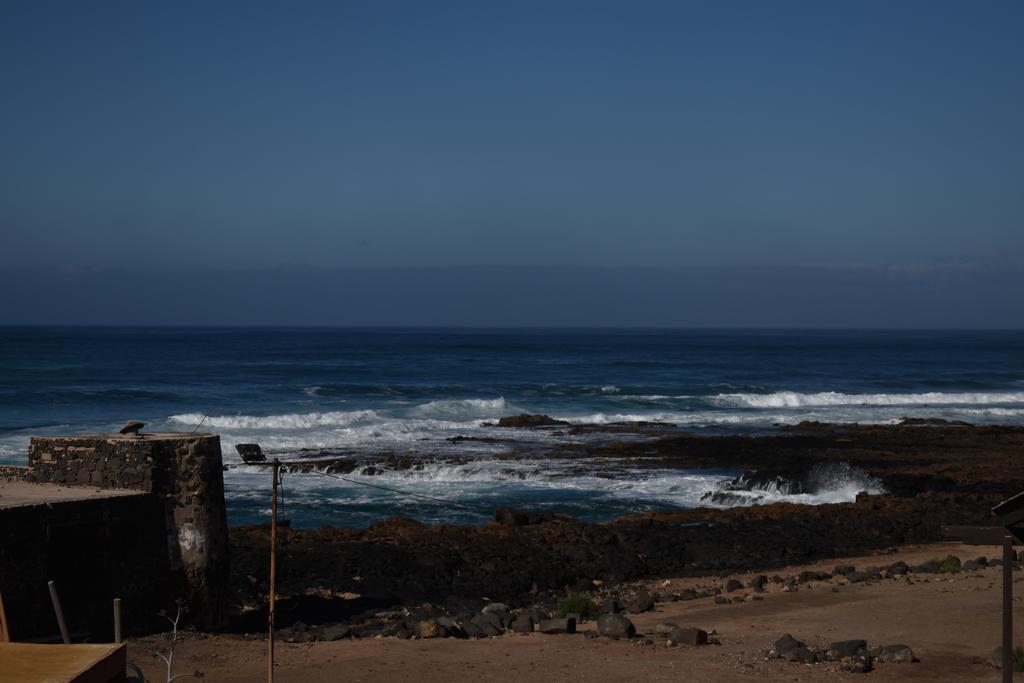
(370, 393)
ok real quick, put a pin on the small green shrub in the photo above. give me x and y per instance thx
(579, 604)
(1018, 658)
(947, 565)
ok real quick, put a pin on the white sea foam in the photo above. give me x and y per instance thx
(792, 399)
(828, 483)
(487, 478)
(640, 398)
(490, 481)
(289, 421)
(995, 412)
(463, 408)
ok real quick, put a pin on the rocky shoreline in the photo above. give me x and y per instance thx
(935, 474)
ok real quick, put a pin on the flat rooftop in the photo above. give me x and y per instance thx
(22, 493)
(139, 437)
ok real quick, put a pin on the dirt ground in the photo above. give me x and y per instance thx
(952, 623)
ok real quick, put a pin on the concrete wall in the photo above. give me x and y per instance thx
(185, 474)
(94, 550)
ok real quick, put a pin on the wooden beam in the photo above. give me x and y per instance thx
(1008, 609)
(59, 612)
(980, 535)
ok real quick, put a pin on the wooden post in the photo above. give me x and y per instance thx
(5, 631)
(1007, 609)
(117, 620)
(273, 572)
(60, 613)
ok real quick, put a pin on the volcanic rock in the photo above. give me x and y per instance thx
(784, 645)
(689, 636)
(641, 602)
(563, 625)
(523, 624)
(527, 420)
(893, 654)
(847, 648)
(615, 626)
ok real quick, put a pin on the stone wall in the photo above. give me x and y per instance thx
(184, 472)
(13, 472)
(94, 550)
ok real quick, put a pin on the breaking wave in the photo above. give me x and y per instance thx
(823, 484)
(463, 408)
(792, 399)
(291, 421)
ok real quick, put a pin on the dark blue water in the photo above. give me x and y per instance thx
(368, 391)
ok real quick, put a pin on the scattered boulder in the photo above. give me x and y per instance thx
(488, 624)
(688, 594)
(449, 628)
(721, 600)
(847, 648)
(522, 624)
(758, 583)
(562, 625)
(641, 602)
(898, 568)
(792, 650)
(335, 632)
(856, 577)
(615, 626)
(844, 569)
(893, 654)
(784, 644)
(733, 585)
(693, 637)
(853, 654)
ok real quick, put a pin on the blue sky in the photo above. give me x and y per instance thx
(669, 134)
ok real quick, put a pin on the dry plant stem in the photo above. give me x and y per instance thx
(169, 657)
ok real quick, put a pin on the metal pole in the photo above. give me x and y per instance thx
(1007, 609)
(273, 573)
(59, 612)
(117, 620)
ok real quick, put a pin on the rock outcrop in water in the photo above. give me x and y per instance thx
(527, 420)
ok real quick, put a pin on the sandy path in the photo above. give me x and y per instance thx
(950, 621)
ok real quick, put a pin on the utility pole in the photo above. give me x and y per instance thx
(273, 572)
